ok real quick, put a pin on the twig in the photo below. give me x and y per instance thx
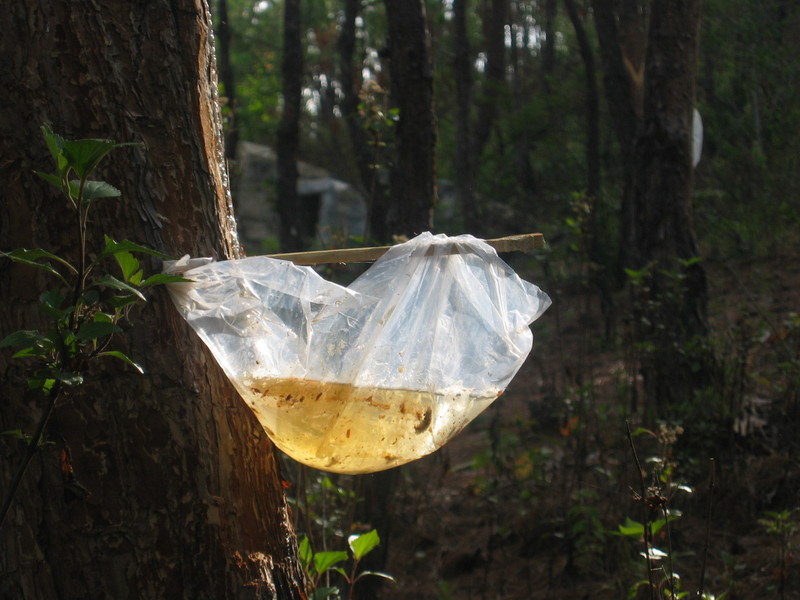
(646, 528)
(513, 243)
(711, 486)
(33, 445)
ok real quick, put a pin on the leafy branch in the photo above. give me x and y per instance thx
(86, 306)
(318, 564)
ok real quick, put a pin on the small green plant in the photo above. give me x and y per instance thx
(654, 498)
(318, 565)
(783, 526)
(87, 304)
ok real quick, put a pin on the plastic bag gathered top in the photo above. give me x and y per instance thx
(374, 375)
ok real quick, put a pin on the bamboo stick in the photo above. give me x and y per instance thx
(512, 243)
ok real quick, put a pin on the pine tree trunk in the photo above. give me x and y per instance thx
(413, 172)
(367, 152)
(672, 303)
(621, 44)
(177, 492)
(289, 130)
(227, 77)
(462, 71)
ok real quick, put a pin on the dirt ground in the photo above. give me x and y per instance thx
(527, 501)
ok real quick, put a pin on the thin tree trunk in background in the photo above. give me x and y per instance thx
(522, 139)
(592, 103)
(227, 77)
(494, 21)
(598, 225)
(673, 302)
(549, 45)
(622, 57)
(413, 181)
(179, 495)
(288, 141)
(366, 155)
(464, 169)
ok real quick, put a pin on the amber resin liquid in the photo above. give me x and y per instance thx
(346, 429)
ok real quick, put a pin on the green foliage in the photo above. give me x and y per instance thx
(87, 306)
(318, 564)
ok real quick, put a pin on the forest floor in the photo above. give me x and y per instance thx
(528, 501)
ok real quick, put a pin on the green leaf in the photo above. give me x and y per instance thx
(131, 268)
(68, 378)
(122, 357)
(641, 431)
(98, 189)
(29, 257)
(364, 543)
(123, 300)
(631, 528)
(50, 303)
(160, 278)
(16, 434)
(28, 352)
(25, 338)
(112, 247)
(305, 553)
(375, 574)
(115, 284)
(53, 179)
(323, 593)
(55, 143)
(97, 329)
(92, 190)
(84, 155)
(44, 384)
(325, 560)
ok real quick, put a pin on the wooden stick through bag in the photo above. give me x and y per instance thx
(513, 243)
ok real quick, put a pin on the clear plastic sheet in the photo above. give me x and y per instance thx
(374, 375)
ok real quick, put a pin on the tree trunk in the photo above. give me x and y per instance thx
(462, 67)
(673, 300)
(522, 139)
(494, 22)
(592, 110)
(598, 224)
(178, 493)
(549, 44)
(289, 130)
(621, 42)
(413, 186)
(367, 155)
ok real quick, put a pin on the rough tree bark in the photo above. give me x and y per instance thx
(181, 495)
(673, 300)
(413, 187)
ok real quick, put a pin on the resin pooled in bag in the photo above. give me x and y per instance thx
(374, 375)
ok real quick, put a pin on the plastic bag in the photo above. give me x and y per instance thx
(368, 377)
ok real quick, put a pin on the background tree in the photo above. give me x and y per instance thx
(673, 297)
(620, 27)
(288, 141)
(413, 172)
(363, 117)
(179, 494)
(227, 77)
